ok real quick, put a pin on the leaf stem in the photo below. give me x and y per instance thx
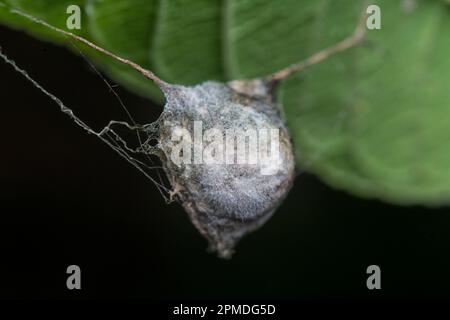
(349, 42)
(147, 73)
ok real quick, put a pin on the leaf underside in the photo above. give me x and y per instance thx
(374, 120)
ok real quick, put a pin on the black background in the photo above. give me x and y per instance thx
(66, 198)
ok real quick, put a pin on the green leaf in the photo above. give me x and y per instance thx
(374, 120)
(127, 29)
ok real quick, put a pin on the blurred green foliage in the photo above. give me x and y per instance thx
(374, 120)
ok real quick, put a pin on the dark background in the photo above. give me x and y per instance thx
(66, 198)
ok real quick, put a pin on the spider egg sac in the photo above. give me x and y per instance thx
(228, 156)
